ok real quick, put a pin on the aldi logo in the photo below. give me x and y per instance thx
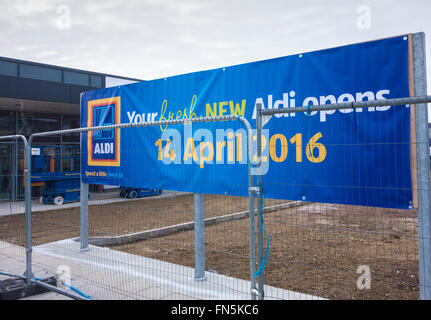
(104, 145)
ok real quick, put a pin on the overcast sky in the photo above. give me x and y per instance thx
(148, 39)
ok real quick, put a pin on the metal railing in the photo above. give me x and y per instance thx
(199, 211)
(256, 287)
(423, 166)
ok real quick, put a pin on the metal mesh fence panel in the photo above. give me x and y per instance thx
(141, 240)
(146, 243)
(12, 208)
(345, 251)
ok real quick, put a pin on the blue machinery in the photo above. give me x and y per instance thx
(57, 169)
(133, 193)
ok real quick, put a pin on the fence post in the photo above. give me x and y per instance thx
(84, 216)
(199, 224)
(252, 238)
(27, 190)
(260, 279)
(14, 187)
(28, 232)
(83, 199)
(423, 167)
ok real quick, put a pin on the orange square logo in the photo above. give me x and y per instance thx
(103, 146)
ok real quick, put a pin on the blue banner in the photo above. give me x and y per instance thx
(359, 157)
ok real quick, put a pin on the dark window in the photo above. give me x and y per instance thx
(77, 78)
(29, 123)
(40, 73)
(96, 81)
(8, 68)
(7, 123)
(70, 122)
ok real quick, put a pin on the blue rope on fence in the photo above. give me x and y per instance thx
(265, 259)
(77, 291)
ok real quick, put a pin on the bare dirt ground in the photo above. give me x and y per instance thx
(314, 249)
(116, 218)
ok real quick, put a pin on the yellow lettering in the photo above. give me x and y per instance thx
(220, 146)
(230, 147)
(239, 147)
(190, 150)
(297, 139)
(210, 111)
(162, 113)
(192, 107)
(171, 155)
(262, 148)
(221, 109)
(313, 144)
(159, 144)
(238, 109)
(272, 147)
(209, 157)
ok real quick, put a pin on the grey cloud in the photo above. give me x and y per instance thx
(156, 38)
